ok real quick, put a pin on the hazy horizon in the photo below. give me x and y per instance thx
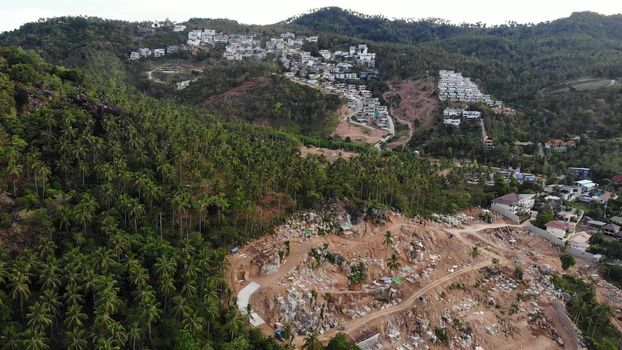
(14, 15)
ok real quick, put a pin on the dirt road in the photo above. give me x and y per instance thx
(406, 304)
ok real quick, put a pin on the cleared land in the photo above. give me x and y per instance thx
(438, 286)
(411, 100)
(357, 133)
(330, 154)
(583, 84)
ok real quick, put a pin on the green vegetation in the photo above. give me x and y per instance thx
(283, 104)
(612, 250)
(543, 218)
(340, 342)
(358, 273)
(568, 261)
(592, 317)
(120, 208)
(524, 65)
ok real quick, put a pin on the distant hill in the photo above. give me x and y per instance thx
(511, 62)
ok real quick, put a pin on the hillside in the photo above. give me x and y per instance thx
(117, 209)
(514, 61)
(100, 48)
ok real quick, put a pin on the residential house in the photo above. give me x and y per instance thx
(570, 215)
(612, 230)
(560, 229)
(144, 52)
(580, 241)
(580, 173)
(134, 56)
(159, 52)
(558, 145)
(472, 115)
(172, 49)
(179, 28)
(452, 122)
(524, 176)
(488, 142)
(596, 224)
(586, 186)
(312, 39)
(617, 180)
(452, 112)
(569, 193)
(513, 203)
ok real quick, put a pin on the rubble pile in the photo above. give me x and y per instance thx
(453, 220)
(305, 312)
(306, 224)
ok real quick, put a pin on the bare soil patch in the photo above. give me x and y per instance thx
(247, 85)
(410, 101)
(356, 133)
(330, 154)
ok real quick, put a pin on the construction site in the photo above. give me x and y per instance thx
(392, 282)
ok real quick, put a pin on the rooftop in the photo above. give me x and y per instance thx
(581, 238)
(508, 199)
(559, 225)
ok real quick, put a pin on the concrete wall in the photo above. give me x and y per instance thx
(502, 210)
(577, 253)
(370, 343)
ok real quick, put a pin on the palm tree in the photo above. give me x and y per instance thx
(10, 338)
(394, 263)
(35, 340)
(38, 317)
(73, 294)
(150, 314)
(388, 238)
(20, 290)
(288, 333)
(105, 343)
(85, 209)
(50, 300)
(137, 210)
(134, 334)
(118, 334)
(74, 317)
(167, 288)
(49, 276)
(193, 323)
(75, 339)
(312, 342)
(181, 308)
(165, 265)
(15, 171)
(211, 308)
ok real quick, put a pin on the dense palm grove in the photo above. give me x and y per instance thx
(117, 210)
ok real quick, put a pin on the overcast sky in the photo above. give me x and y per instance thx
(14, 13)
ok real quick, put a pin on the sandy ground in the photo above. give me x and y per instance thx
(357, 133)
(416, 103)
(330, 154)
